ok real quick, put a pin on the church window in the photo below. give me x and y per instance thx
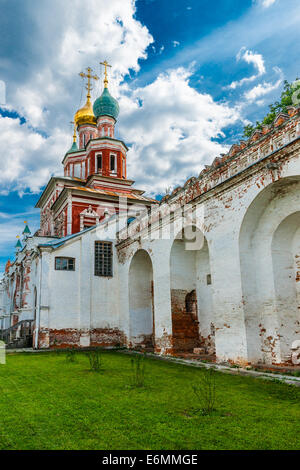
(103, 259)
(99, 163)
(84, 140)
(77, 170)
(65, 264)
(113, 166)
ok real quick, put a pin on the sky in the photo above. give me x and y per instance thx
(188, 75)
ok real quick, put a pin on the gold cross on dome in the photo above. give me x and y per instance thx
(106, 64)
(89, 75)
(74, 134)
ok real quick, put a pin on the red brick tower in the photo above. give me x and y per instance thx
(95, 175)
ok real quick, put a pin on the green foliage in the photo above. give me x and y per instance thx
(289, 97)
(138, 371)
(71, 355)
(248, 130)
(46, 404)
(205, 391)
(95, 359)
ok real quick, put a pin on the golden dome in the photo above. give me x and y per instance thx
(85, 115)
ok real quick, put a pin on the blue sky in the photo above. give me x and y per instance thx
(188, 75)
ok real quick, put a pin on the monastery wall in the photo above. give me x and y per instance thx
(213, 268)
(246, 274)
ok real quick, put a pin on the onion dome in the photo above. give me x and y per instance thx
(85, 115)
(26, 231)
(106, 105)
(18, 245)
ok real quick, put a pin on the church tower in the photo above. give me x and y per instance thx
(85, 120)
(95, 174)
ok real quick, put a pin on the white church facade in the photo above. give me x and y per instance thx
(212, 269)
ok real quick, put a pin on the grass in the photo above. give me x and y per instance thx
(47, 402)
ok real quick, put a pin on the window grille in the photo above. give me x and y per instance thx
(103, 259)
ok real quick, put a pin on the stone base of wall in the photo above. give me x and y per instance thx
(73, 338)
(144, 342)
(164, 345)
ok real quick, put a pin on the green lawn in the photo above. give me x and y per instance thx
(49, 403)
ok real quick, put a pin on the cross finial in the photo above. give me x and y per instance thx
(74, 135)
(89, 75)
(106, 64)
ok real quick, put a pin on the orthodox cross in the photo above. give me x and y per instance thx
(106, 64)
(89, 75)
(74, 135)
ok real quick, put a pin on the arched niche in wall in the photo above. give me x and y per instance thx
(191, 293)
(269, 256)
(141, 301)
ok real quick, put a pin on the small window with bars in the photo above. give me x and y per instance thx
(65, 264)
(103, 259)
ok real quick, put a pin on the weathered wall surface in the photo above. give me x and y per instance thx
(231, 289)
(82, 309)
(249, 312)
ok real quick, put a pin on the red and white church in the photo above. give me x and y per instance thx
(95, 174)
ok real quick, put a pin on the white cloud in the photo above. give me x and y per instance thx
(111, 32)
(50, 95)
(176, 43)
(177, 138)
(265, 3)
(253, 58)
(260, 90)
(28, 158)
(263, 89)
(171, 127)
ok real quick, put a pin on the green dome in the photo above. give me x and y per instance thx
(106, 105)
(19, 245)
(74, 148)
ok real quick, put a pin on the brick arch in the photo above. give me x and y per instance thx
(191, 293)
